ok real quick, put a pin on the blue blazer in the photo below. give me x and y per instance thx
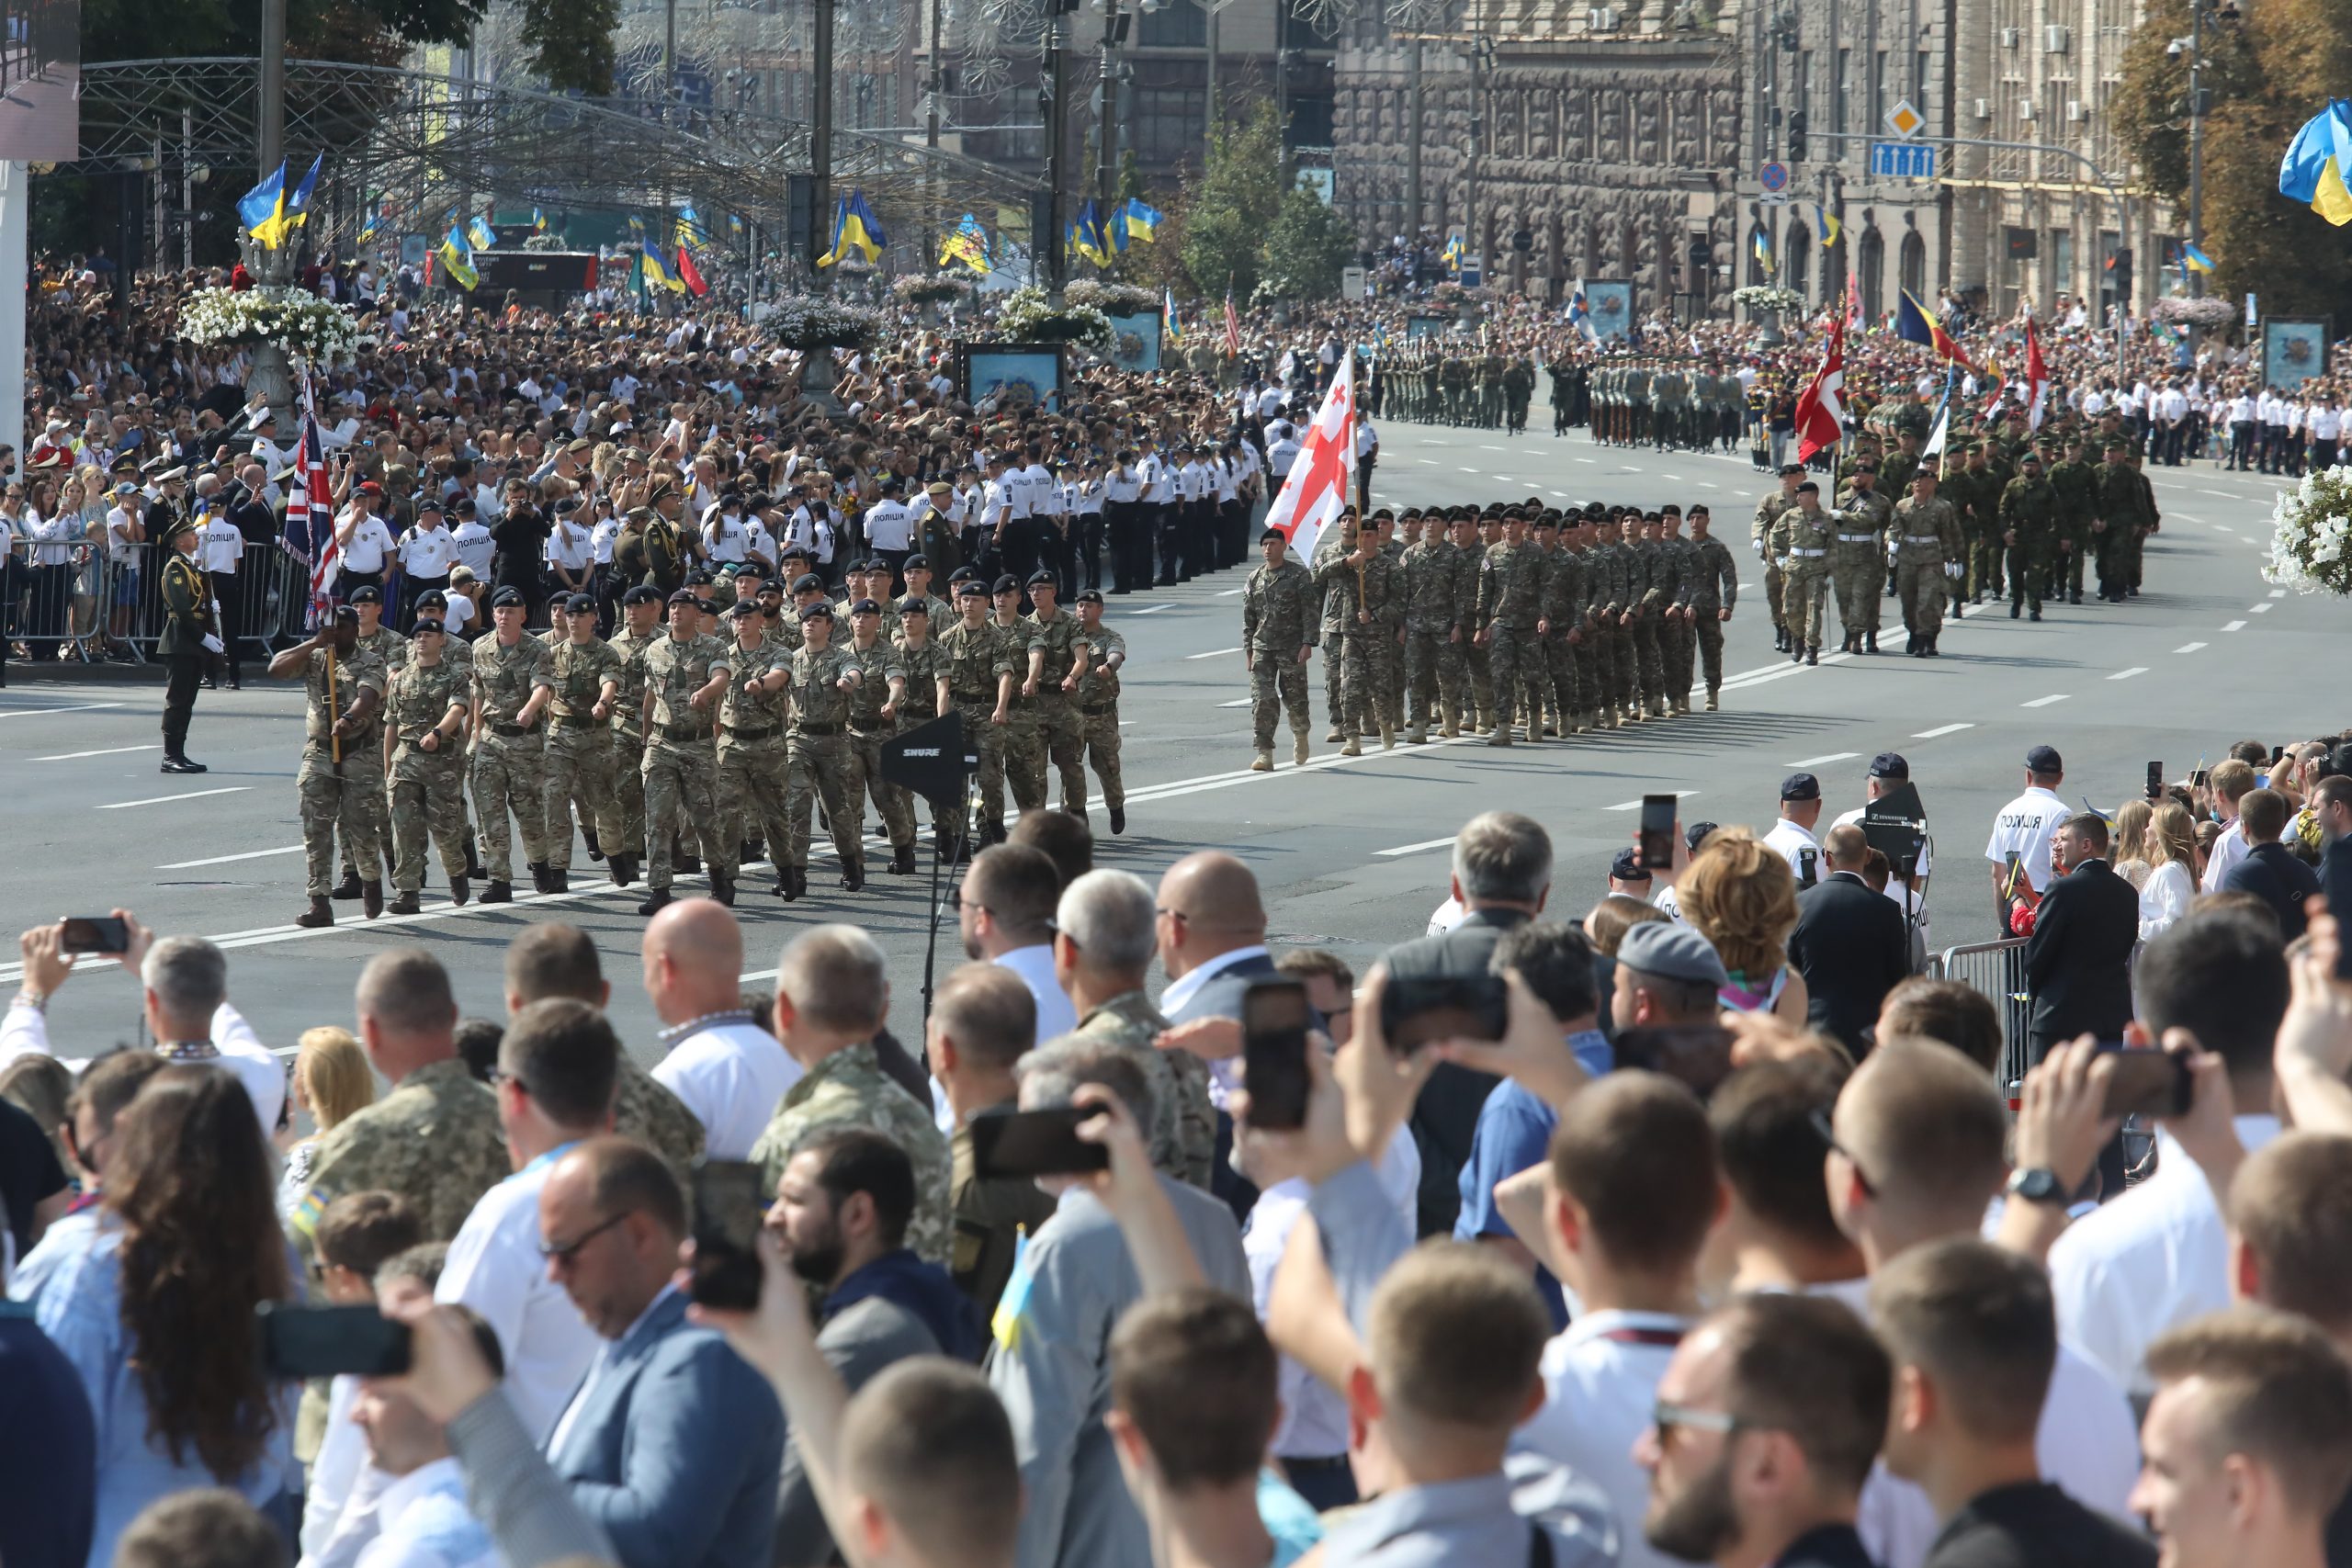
(676, 1448)
(1220, 996)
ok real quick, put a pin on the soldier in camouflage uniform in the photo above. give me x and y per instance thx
(2028, 523)
(511, 688)
(1335, 540)
(1279, 620)
(881, 678)
(1057, 717)
(1364, 601)
(819, 765)
(1614, 584)
(1508, 605)
(1671, 389)
(433, 1139)
(1650, 598)
(1856, 552)
(1389, 653)
(1670, 566)
(1519, 387)
(747, 790)
(1561, 627)
(1441, 590)
(685, 675)
(1927, 541)
(1768, 518)
(1183, 1135)
(1639, 379)
(1101, 652)
(2075, 483)
(981, 675)
(424, 718)
(383, 643)
(1025, 738)
(917, 676)
(1709, 589)
(1476, 657)
(584, 684)
(1802, 537)
(1453, 382)
(621, 831)
(2126, 511)
(344, 689)
(849, 1089)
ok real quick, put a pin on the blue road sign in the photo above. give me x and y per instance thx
(1903, 160)
(1773, 176)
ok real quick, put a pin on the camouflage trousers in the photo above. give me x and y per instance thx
(1805, 602)
(1648, 658)
(1025, 753)
(1626, 680)
(1855, 571)
(893, 804)
(1515, 662)
(820, 768)
(986, 739)
(681, 775)
(1331, 677)
(1596, 669)
(1063, 745)
(1101, 724)
(1984, 552)
(1433, 666)
(428, 797)
(1560, 661)
(1388, 670)
(577, 763)
(1674, 650)
(1707, 631)
(1362, 709)
(1775, 582)
(1919, 585)
(505, 777)
(747, 790)
(620, 825)
(337, 798)
(1279, 682)
(1481, 666)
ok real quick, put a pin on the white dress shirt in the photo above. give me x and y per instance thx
(2228, 850)
(1599, 1389)
(428, 552)
(1788, 841)
(1056, 1015)
(732, 1075)
(255, 1065)
(495, 1267)
(423, 1522)
(369, 543)
(2024, 827)
(2146, 1261)
(2165, 898)
(343, 1454)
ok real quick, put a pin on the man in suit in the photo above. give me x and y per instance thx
(2078, 960)
(1848, 944)
(1212, 938)
(2268, 870)
(1502, 874)
(672, 1443)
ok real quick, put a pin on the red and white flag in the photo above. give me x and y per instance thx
(1232, 328)
(2037, 377)
(1321, 477)
(1821, 407)
(312, 498)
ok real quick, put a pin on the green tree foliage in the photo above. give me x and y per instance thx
(1235, 205)
(1306, 246)
(572, 42)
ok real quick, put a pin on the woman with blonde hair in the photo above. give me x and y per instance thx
(2132, 861)
(331, 1080)
(1742, 897)
(2171, 884)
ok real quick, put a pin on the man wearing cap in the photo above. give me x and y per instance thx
(621, 831)
(1927, 547)
(220, 551)
(2074, 481)
(1791, 837)
(429, 553)
(749, 791)
(981, 673)
(686, 674)
(670, 551)
(2028, 521)
(941, 614)
(889, 530)
(343, 759)
(1889, 771)
(916, 674)
(1802, 539)
(2124, 512)
(571, 550)
(363, 539)
(1063, 737)
(512, 685)
(1101, 654)
(818, 764)
(2022, 831)
(1668, 977)
(426, 702)
(936, 527)
(584, 683)
(1024, 741)
(190, 641)
(1768, 518)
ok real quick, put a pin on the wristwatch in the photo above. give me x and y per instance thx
(2037, 1184)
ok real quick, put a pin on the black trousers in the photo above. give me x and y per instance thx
(183, 671)
(1168, 523)
(1086, 528)
(1119, 535)
(411, 590)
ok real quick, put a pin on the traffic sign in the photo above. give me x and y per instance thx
(1904, 120)
(1773, 176)
(1903, 160)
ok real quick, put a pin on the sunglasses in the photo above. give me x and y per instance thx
(1819, 1117)
(1666, 1418)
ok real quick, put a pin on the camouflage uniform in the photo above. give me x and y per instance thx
(1767, 515)
(1024, 739)
(976, 658)
(1563, 608)
(1510, 583)
(621, 830)
(2076, 485)
(376, 804)
(1804, 541)
(1064, 737)
(434, 1139)
(818, 764)
(1670, 562)
(2028, 522)
(507, 758)
(1855, 557)
(578, 755)
(923, 669)
(1978, 501)
(1608, 572)
(1649, 596)
(681, 764)
(1710, 584)
(334, 796)
(1334, 541)
(1440, 592)
(1098, 712)
(849, 1089)
(1927, 536)
(1279, 616)
(747, 789)
(644, 1109)
(428, 787)
(1374, 592)
(868, 730)
(2128, 508)
(1183, 1134)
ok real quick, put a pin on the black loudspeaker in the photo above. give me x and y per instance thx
(800, 216)
(930, 760)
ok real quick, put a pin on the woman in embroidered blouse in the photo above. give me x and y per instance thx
(331, 1080)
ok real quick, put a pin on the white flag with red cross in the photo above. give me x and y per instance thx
(1317, 485)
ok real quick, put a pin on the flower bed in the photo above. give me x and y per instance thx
(810, 320)
(2311, 536)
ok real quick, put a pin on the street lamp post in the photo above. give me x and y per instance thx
(820, 139)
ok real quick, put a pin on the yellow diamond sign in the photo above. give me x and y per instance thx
(1904, 120)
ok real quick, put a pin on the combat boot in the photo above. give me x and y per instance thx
(371, 897)
(595, 850)
(1869, 642)
(1417, 736)
(795, 881)
(1501, 736)
(1388, 738)
(320, 913)
(722, 887)
(1713, 695)
(1298, 752)
(1264, 761)
(1333, 734)
(473, 857)
(539, 876)
(1352, 749)
(557, 880)
(405, 903)
(1118, 820)
(752, 850)
(458, 892)
(1813, 654)
(656, 901)
(498, 892)
(853, 876)
(348, 889)
(902, 860)
(2016, 608)
(622, 869)
(689, 865)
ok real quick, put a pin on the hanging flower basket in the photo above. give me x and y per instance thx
(2311, 536)
(2208, 311)
(939, 288)
(1027, 316)
(299, 323)
(809, 320)
(1768, 296)
(1113, 299)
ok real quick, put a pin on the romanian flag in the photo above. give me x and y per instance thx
(1087, 236)
(298, 206)
(481, 233)
(459, 257)
(854, 229)
(1140, 218)
(2319, 162)
(263, 210)
(2197, 260)
(1764, 251)
(1914, 324)
(968, 244)
(689, 275)
(656, 274)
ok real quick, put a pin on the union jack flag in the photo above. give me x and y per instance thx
(310, 515)
(1232, 325)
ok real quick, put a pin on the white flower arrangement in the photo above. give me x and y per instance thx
(1112, 298)
(1768, 296)
(2311, 536)
(1027, 316)
(305, 326)
(2205, 312)
(812, 320)
(936, 289)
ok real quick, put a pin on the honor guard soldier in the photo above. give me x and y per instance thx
(686, 673)
(1281, 617)
(424, 725)
(584, 686)
(1805, 535)
(190, 638)
(342, 759)
(1024, 744)
(917, 675)
(818, 764)
(1101, 652)
(1854, 558)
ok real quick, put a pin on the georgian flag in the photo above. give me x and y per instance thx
(1821, 410)
(1316, 488)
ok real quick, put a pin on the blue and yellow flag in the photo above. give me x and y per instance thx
(479, 234)
(538, 222)
(375, 216)
(1168, 321)
(1005, 1326)
(1764, 251)
(734, 224)
(1087, 237)
(1453, 256)
(263, 210)
(298, 206)
(2197, 260)
(2319, 162)
(968, 244)
(854, 229)
(1140, 218)
(657, 275)
(1825, 225)
(637, 229)
(690, 228)
(459, 257)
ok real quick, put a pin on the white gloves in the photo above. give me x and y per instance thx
(214, 644)
(1953, 569)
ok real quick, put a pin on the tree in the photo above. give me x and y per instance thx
(1235, 204)
(1306, 247)
(572, 43)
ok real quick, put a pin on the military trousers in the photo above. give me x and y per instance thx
(1919, 585)
(1647, 656)
(682, 776)
(1278, 681)
(1986, 550)
(339, 798)
(746, 792)
(1804, 601)
(1775, 586)
(1707, 631)
(428, 799)
(1433, 666)
(1099, 723)
(1560, 662)
(576, 764)
(1515, 661)
(1061, 738)
(1855, 569)
(985, 739)
(621, 826)
(1674, 650)
(1361, 710)
(1025, 753)
(506, 778)
(2027, 564)
(820, 768)
(893, 804)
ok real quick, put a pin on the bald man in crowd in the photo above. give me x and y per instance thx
(730, 1072)
(1212, 940)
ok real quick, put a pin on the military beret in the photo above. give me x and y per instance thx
(707, 606)
(913, 606)
(807, 582)
(815, 612)
(505, 597)
(1672, 951)
(642, 594)
(1041, 578)
(971, 589)
(745, 609)
(961, 574)
(1273, 534)
(432, 599)
(580, 604)
(1788, 469)
(866, 607)
(368, 594)
(1007, 583)
(918, 562)
(684, 596)
(1090, 596)
(427, 624)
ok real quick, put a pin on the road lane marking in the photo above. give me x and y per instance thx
(1238, 702)
(1832, 757)
(70, 708)
(2225, 495)
(1229, 592)
(1941, 730)
(1416, 849)
(224, 859)
(2261, 609)
(1154, 609)
(167, 799)
(1214, 653)
(2044, 701)
(2277, 593)
(2235, 627)
(2192, 647)
(103, 751)
(1636, 806)
(2127, 675)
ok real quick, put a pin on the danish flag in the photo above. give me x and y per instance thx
(1821, 411)
(1315, 489)
(2037, 378)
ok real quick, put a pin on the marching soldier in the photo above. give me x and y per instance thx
(1672, 564)
(1441, 590)
(747, 789)
(1101, 652)
(917, 676)
(1510, 582)
(1768, 511)
(1927, 546)
(1802, 537)
(1360, 593)
(1604, 611)
(1335, 541)
(622, 827)
(2126, 511)
(342, 759)
(424, 726)
(686, 674)
(1863, 518)
(1063, 735)
(1671, 392)
(1648, 600)
(189, 638)
(383, 643)
(1024, 739)
(1280, 619)
(880, 678)
(511, 689)
(2028, 523)
(1709, 589)
(584, 683)
(1518, 386)
(2074, 482)
(980, 677)
(819, 765)
(1561, 627)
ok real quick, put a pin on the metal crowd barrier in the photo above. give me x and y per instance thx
(1995, 970)
(81, 600)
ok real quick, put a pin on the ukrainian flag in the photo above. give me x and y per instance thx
(459, 257)
(2198, 260)
(479, 234)
(1140, 218)
(657, 275)
(1174, 327)
(263, 210)
(690, 228)
(1825, 223)
(1005, 1325)
(854, 229)
(968, 244)
(637, 228)
(375, 214)
(298, 206)
(538, 222)
(1087, 238)
(2318, 161)
(1764, 251)
(1453, 256)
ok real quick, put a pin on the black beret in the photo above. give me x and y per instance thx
(866, 607)
(684, 596)
(580, 604)
(366, 594)
(642, 594)
(505, 597)
(816, 613)
(807, 582)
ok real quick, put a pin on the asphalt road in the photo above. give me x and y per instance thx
(1351, 851)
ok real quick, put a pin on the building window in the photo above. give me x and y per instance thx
(1180, 23)
(1837, 98)
(2062, 261)
(1169, 122)
(1310, 120)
